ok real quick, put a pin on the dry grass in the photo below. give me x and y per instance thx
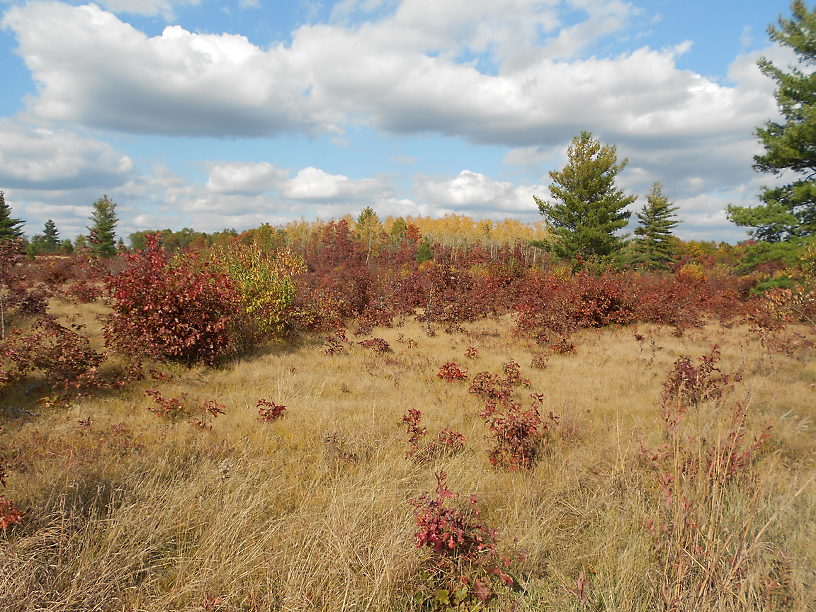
(310, 512)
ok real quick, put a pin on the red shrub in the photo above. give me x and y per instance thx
(376, 344)
(517, 434)
(451, 372)
(269, 411)
(177, 309)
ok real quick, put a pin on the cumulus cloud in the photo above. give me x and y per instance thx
(477, 194)
(244, 178)
(94, 69)
(410, 71)
(315, 185)
(39, 158)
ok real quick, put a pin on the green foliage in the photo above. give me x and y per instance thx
(264, 281)
(654, 247)
(169, 240)
(781, 254)
(47, 242)
(398, 229)
(9, 227)
(588, 209)
(102, 238)
(790, 210)
(424, 251)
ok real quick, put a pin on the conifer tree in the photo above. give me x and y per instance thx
(51, 236)
(9, 227)
(587, 209)
(102, 237)
(653, 247)
(788, 211)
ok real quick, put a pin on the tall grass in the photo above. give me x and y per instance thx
(310, 511)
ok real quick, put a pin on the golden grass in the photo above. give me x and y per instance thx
(310, 512)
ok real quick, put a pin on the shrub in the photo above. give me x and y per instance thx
(61, 354)
(451, 372)
(517, 434)
(177, 309)
(269, 411)
(376, 344)
(265, 283)
(466, 570)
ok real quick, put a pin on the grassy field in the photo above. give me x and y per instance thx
(126, 510)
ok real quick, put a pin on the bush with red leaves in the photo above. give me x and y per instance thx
(269, 411)
(466, 568)
(451, 372)
(517, 434)
(177, 309)
(376, 344)
(61, 354)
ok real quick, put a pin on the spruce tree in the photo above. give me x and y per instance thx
(587, 209)
(102, 238)
(9, 227)
(653, 247)
(788, 211)
(51, 236)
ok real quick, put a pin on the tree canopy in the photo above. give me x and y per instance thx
(587, 209)
(788, 211)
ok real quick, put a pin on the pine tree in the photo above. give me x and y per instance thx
(51, 236)
(102, 238)
(424, 251)
(653, 247)
(788, 211)
(9, 227)
(588, 209)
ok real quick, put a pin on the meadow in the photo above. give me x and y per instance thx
(435, 458)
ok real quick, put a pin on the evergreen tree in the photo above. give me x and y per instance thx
(398, 229)
(102, 238)
(424, 251)
(654, 245)
(9, 227)
(788, 211)
(51, 236)
(588, 209)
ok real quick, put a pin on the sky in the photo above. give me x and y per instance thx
(216, 114)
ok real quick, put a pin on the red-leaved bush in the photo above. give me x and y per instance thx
(269, 411)
(517, 434)
(451, 372)
(178, 308)
(465, 567)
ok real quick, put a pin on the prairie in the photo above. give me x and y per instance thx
(126, 509)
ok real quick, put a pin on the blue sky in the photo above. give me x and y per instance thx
(214, 113)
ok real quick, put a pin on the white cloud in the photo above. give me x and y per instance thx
(244, 178)
(250, 4)
(38, 158)
(315, 185)
(94, 69)
(477, 194)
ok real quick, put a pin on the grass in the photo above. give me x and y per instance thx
(310, 512)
